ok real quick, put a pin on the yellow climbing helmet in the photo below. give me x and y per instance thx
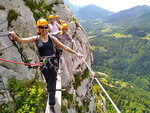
(63, 22)
(51, 16)
(41, 22)
(56, 16)
(64, 26)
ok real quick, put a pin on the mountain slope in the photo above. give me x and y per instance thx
(134, 21)
(120, 46)
(135, 15)
(92, 12)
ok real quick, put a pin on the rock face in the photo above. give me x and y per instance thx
(72, 68)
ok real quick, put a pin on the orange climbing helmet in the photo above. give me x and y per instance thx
(51, 16)
(56, 16)
(64, 26)
(41, 22)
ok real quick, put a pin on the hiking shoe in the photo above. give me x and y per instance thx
(52, 109)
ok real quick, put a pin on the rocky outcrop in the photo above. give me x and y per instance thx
(72, 68)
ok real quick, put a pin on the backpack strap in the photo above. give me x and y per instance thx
(58, 26)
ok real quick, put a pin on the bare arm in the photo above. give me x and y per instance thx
(24, 40)
(55, 33)
(59, 44)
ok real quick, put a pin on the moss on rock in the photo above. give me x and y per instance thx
(40, 9)
(69, 97)
(2, 7)
(64, 108)
(12, 15)
(79, 79)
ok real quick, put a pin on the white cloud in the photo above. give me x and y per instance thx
(113, 5)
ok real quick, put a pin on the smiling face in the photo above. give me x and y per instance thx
(43, 29)
(64, 30)
(57, 18)
(51, 20)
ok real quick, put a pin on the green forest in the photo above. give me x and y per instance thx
(121, 50)
(127, 60)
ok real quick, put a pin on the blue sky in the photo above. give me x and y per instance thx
(112, 5)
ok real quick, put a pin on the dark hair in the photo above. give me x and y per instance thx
(38, 33)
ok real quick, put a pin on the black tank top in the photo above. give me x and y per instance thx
(45, 48)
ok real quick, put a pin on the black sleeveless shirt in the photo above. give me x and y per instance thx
(45, 48)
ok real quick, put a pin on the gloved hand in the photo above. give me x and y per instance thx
(73, 42)
(11, 35)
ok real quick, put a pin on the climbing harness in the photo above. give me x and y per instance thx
(118, 111)
(48, 59)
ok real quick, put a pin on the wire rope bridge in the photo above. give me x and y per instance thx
(103, 88)
(58, 85)
(116, 108)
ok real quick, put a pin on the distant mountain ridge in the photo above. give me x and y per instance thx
(136, 15)
(73, 8)
(92, 12)
(89, 11)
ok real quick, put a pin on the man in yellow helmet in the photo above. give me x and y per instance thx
(57, 20)
(53, 27)
(63, 22)
(62, 36)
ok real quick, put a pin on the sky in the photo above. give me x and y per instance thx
(112, 5)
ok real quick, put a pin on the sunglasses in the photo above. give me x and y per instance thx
(43, 27)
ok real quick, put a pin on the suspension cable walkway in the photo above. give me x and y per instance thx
(59, 95)
(118, 111)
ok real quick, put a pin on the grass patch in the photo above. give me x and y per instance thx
(64, 108)
(91, 37)
(69, 97)
(93, 48)
(86, 103)
(2, 7)
(79, 79)
(80, 109)
(41, 9)
(28, 96)
(12, 15)
(97, 101)
(77, 24)
(86, 74)
(119, 35)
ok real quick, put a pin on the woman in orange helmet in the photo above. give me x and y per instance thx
(45, 44)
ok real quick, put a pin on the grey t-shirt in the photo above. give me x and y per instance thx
(62, 38)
